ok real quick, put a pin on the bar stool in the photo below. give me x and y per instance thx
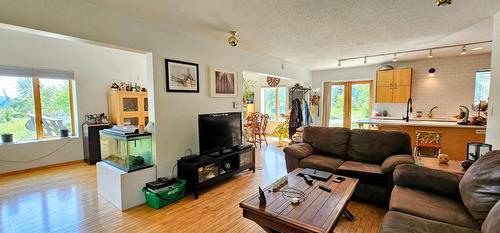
(427, 141)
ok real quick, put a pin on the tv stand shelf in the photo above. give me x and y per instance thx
(206, 171)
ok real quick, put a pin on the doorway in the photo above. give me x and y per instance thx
(347, 102)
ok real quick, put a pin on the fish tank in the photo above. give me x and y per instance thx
(128, 152)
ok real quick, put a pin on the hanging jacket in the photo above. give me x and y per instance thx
(307, 114)
(296, 118)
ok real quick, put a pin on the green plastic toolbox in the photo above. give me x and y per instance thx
(163, 198)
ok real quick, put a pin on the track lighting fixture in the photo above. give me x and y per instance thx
(474, 46)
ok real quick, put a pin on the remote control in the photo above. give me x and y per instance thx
(338, 179)
(325, 188)
(308, 179)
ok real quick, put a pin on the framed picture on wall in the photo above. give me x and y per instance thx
(223, 82)
(181, 76)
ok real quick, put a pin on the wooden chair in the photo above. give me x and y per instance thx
(251, 125)
(428, 141)
(257, 123)
(261, 130)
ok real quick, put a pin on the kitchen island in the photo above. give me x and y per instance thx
(454, 137)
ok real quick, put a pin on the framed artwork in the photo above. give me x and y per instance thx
(223, 82)
(182, 76)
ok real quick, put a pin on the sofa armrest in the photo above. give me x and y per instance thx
(391, 162)
(299, 150)
(426, 179)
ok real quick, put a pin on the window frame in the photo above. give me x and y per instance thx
(262, 100)
(37, 106)
(475, 84)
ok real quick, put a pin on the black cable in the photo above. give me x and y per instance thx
(41, 157)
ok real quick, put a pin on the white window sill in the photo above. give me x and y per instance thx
(39, 141)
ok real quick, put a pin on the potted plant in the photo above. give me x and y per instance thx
(7, 137)
(281, 131)
(248, 94)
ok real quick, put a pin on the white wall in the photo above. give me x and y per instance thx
(493, 127)
(452, 85)
(175, 113)
(94, 69)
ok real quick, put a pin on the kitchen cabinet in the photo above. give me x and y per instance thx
(127, 107)
(393, 86)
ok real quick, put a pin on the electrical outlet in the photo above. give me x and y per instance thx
(236, 105)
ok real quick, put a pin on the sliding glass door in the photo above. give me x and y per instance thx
(346, 103)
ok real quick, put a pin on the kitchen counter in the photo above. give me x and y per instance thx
(416, 122)
(415, 118)
(454, 137)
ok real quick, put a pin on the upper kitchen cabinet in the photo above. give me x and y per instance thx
(394, 86)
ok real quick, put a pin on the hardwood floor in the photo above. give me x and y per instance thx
(64, 199)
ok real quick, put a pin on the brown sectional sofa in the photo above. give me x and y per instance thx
(367, 155)
(426, 200)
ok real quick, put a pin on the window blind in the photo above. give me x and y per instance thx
(35, 72)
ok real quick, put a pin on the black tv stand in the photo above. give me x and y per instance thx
(209, 170)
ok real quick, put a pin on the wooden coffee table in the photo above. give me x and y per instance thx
(319, 212)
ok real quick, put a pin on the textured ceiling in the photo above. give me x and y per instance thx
(315, 33)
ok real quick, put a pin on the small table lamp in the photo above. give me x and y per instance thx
(476, 150)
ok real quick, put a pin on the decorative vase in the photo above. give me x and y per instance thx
(443, 158)
(7, 138)
(64, 133)
(466, 164)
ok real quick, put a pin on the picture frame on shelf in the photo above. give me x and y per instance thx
(182, 76)
(223, 82)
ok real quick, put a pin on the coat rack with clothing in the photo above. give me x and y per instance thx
(300, 114)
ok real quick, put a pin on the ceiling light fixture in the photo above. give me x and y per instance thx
(430, 54)
(395, 58)
(443, 2)
(366, 61)
(232, 40)
(340, 64)
(464, 50)
(431, 72)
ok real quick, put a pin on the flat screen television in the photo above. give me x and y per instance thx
(219, 131)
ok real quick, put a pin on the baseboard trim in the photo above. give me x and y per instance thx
(40, 168)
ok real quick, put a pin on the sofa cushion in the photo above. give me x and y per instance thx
(431, 206)
(492, 222)
(397, 222)
(327, 141)
(480, 186)
(366, 172)
(373, 146)
(321, 162)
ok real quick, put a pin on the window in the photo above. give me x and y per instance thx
(35, 108)
(273, 102)
(482, 87)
